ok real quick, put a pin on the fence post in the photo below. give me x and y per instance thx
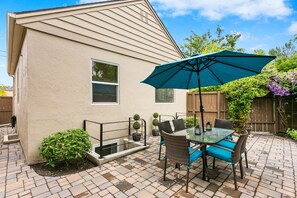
(101, 141)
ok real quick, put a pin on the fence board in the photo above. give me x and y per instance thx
(5, 109)
(264, 116)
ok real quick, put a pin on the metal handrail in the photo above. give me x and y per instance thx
(107, 123)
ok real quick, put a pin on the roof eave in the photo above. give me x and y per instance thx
(14, 41)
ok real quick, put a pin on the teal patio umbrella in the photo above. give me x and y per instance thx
(202, 70)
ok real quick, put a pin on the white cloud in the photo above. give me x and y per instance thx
(293, 28)
(218, 9)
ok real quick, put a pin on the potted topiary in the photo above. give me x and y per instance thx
(155, 123)
(136, 125)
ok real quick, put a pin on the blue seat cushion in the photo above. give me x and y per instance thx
(227, 144)
(230, 137)
(195, 155)
(162, 142)
(219, 153)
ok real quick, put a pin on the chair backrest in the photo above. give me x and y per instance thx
(178, 124)
(176, 148)
(243, 146)
(238, 147)
(165, 126)
(225, 124)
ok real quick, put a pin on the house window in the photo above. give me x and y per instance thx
(105, 84)
(107, 149)
(164, 96)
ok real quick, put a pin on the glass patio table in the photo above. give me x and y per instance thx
(205, 138)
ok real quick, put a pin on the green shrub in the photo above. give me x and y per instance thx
(189, 121)
(292, 133)
(155, 122)
(136, 117)
(65, 146)
(155, 115)
(136, 125)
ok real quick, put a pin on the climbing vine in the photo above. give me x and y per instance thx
(240, 95)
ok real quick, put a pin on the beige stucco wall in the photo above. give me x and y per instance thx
(20, 98)
(60, 94)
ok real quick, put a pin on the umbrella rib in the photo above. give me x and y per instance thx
(189, 80)
(217, 61)
(172, 67)
(206, 65)
(170, 77)
(218, 79)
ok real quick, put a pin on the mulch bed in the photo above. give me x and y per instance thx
(63, 168)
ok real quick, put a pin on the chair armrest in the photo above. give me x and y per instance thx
(235, 134)
(229, 140)
(195, 148)
(224, 148)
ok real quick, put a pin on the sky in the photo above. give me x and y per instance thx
(263, 24)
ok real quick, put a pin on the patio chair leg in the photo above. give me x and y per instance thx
(246, 161)
(187, 180)
(177, 166)
(214, 163)
(241, 168)
(160, 151)
(165, 165)
(234, 175)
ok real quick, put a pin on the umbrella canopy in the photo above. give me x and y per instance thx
(203, 70)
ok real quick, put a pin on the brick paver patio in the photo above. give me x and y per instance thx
(271, 173)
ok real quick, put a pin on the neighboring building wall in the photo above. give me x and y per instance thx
(21, 97)
(60, 89)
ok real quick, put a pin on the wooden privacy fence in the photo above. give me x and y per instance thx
(5, 109)
(264, 116)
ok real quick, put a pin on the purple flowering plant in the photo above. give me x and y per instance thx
(283, 85)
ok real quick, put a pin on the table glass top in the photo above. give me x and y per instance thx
(208, 137)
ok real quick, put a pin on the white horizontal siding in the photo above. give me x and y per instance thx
(125, 28)
(74, 36)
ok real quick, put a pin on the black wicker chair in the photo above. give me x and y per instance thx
(166, 127)
(178, 124)
(177, 150)
(232, 156)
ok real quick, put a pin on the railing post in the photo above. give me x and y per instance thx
(84, 125)
(101, 141)
(144, 132)
(129, 128)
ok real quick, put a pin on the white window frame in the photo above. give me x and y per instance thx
(105, 83)
(166, 102)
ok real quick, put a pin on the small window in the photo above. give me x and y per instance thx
(104, 82)
(107, 149)
(164, 96)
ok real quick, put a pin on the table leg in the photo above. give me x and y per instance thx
(203, 148)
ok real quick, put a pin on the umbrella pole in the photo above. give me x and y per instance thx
(201, 106)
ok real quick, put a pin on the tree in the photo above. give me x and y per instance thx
(259, 51)
(239, 93)
(207, 43)
(2, 91)
(285, 51)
